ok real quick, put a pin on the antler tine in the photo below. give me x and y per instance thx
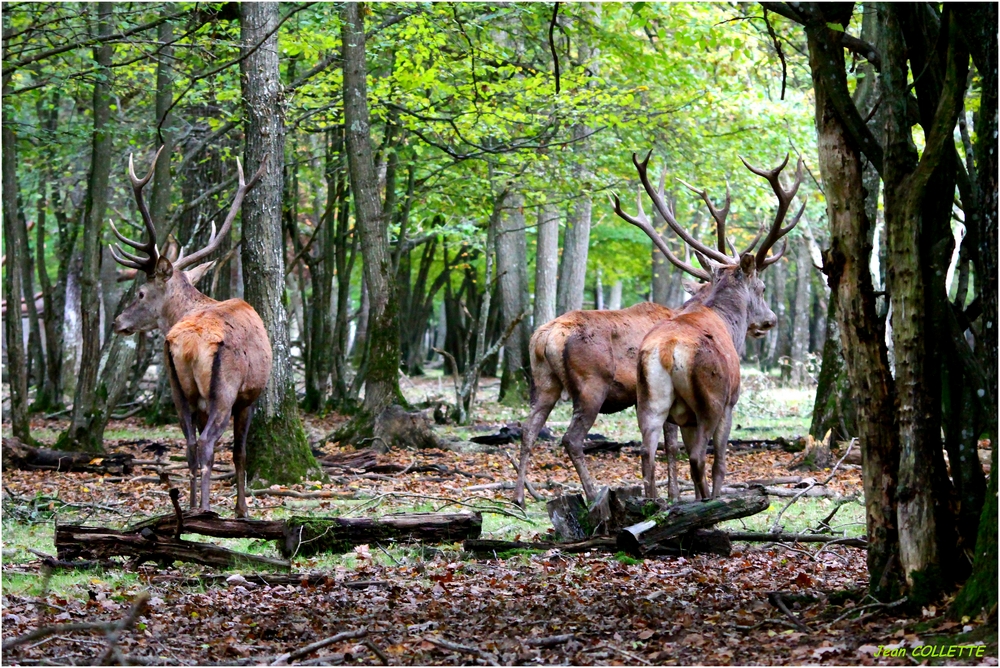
(719, 215)
(216, 237)
(661, 206)
(785, 198)
(760, 232)
(137, 186)
(642, 222)
(122, 261)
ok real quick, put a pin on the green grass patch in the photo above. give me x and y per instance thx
(803, 515)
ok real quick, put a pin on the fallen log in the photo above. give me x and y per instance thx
(309, 535)
(700, 541)
(681, 518)
(74, 541)
(798, 538)
(20, 455)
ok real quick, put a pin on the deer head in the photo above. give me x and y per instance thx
(168, 289)
(734, 278)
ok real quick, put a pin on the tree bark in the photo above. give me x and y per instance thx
(277, 449)
(159, 201)
(576, 244)
(13, 330)
(800, 313)
(778, 336)
(512, 274)
(911, 217)
(78, 436)
(862, 337)
(978, 25)
(382, 377)
(546, 265)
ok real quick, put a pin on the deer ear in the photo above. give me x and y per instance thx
(748, 264)
(164, 269)
(691, 287)
(198, 273)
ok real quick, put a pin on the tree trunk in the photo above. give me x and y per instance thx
(800, 313)
(778, 336)
(512, 274)
(978, 23)
(576, 244)
(79, 436)
(382, 378)
(911, 217)
(277, 450)
(159, 201)
(833, 408)
(862, 337)
(546, 265)
(16, 360)
(615, 298)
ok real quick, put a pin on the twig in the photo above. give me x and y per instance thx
(55, 629)
(284, 659)
(549, 641)
(774, 598)
(777, 519)
(772, 620)
(467, 649)
(301, 495)
(370, 644)
(138, 606)
(527, 483)
(863, 607)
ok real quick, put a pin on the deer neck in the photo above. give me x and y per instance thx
(731, 306)
(181, 298)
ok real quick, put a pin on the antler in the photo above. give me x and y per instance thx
(215, 239)
(719, 215)
(123, 257)
(785, 197)
(642, 222)
(668, 216)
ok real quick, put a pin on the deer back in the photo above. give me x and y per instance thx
(221, 349)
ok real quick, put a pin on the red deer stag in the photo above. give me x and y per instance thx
(689, 365)
(589, 357)
(217, 354)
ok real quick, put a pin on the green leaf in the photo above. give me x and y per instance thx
(835, 26)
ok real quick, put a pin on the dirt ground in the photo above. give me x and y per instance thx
(413, 605)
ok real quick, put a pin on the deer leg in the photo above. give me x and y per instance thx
(187, 425)
(721, 440)
(241, 425)
(695, 441)
(651, 421)
(585, 411)
(673, 452)
(540, 409)
(215, 425)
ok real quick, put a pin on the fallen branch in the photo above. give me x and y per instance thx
(549, 641)
(284, 659)
(798, 538)
(467, 649)
(774, 598)
(138, 607)
(850, 612)
(833, 472)
(301, 495)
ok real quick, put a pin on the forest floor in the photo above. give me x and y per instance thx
(435, 604)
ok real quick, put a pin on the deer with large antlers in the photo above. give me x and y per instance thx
(688, 368)
(217, 354)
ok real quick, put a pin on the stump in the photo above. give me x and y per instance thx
(682, 518)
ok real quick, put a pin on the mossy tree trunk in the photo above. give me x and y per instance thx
(277, 450)
(512, 274)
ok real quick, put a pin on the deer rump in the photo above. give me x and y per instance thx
(591, 356)
(207, 341)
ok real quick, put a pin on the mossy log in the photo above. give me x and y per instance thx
(682, 518)
(20, 455)
(309, 535)
(74, 541)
